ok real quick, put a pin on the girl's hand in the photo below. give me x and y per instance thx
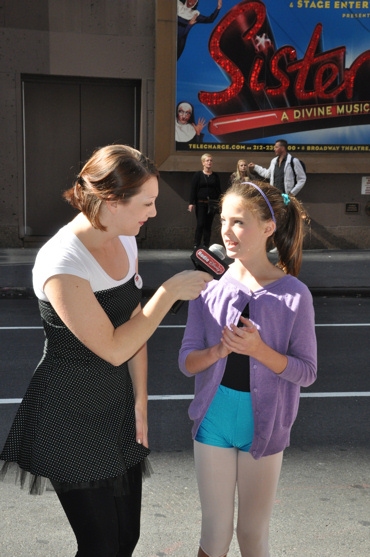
(246, 340)
(221, 350)
(199, 360)
(242, 340)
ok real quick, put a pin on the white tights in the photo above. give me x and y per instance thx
(219, 473)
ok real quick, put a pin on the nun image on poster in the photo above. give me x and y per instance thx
(251, 72)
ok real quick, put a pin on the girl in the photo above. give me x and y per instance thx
(250, 342)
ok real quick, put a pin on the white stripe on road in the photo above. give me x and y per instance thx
(190, 397)
(183, 326)
(342, 325)
(335, 395)
(18, 328)
(303, 395)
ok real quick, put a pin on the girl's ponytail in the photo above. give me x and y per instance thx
(289, 233)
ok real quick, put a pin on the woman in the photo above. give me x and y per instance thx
(83, 419)
(204, 195)
(186, 130)
(241, 173)
(250, 342)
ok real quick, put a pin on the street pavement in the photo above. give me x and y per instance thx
(322, 506)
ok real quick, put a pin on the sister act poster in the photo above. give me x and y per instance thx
(251, 72)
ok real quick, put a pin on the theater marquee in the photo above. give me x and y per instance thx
(247, 73)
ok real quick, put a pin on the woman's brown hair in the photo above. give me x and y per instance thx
(115, 173)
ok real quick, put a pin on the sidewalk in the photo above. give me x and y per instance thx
(321, 510)
(326, 272)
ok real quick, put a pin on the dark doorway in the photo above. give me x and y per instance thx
(64, 121)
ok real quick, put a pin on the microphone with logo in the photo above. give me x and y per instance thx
(209, 260)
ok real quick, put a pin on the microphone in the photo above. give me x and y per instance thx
(209, 260)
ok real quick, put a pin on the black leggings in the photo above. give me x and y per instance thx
(105, 525)
(204, 225)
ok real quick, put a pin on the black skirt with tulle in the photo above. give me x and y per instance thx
(76, 423)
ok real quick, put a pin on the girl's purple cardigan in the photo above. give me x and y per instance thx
(284, 315)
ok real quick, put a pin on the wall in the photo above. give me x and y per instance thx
(105, 39)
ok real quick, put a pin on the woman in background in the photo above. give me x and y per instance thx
(241, 173)
(204, 196)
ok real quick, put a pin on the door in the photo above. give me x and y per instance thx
(65, 120)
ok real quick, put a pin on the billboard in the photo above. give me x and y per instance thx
(251, 72)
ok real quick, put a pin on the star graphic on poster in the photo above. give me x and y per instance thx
(262, 43)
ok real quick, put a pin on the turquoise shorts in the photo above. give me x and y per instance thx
(228, 422)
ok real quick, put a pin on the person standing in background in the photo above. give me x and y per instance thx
(285, 172)
(241, 173)
(204, 196)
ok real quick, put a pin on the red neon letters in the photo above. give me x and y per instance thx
(317, 77)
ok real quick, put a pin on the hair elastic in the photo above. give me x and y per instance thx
(265, 198)
(286, 198)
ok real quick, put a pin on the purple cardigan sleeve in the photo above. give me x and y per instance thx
(302, 348)
(194, 335)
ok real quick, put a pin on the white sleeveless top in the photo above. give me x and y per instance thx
(64, 253)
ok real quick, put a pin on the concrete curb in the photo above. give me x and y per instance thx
(24, 293)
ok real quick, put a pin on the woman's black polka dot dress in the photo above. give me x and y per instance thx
(76, 423)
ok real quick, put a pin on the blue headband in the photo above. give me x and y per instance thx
(264, 197)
